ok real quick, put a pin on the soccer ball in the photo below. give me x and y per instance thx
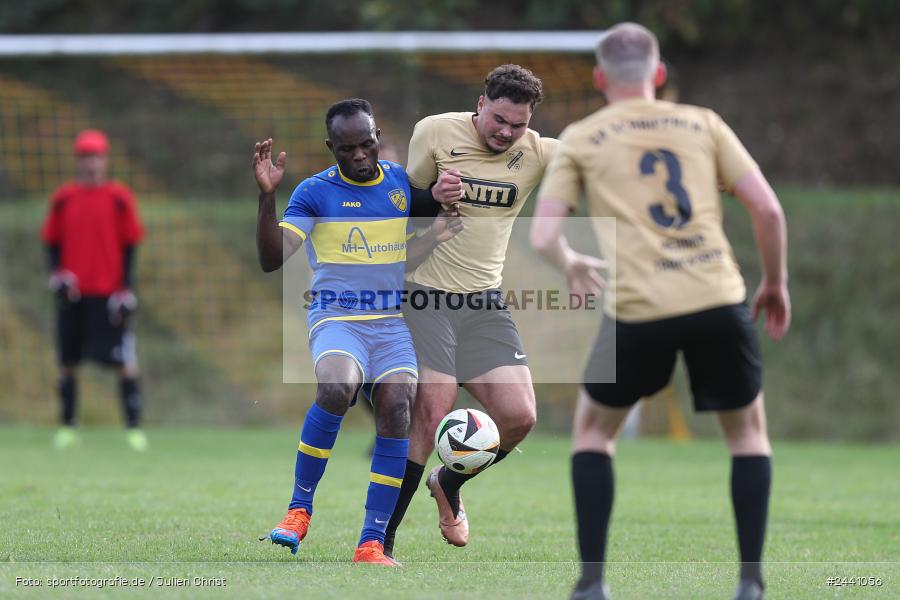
(467, 441)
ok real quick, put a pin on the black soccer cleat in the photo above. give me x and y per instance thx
(749, 589)
(594, 591)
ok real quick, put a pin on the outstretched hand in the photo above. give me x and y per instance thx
(268, 174)
(447, 224)
(776, 302)
(582, 274)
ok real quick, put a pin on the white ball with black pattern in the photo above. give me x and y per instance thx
(467, 441)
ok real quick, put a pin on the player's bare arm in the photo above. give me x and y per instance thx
(274, 244)
(582, 271)
(446, 225)
(769, 226)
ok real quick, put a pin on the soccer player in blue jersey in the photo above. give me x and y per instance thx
(355, 216)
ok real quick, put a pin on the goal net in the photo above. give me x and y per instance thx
(182, 114)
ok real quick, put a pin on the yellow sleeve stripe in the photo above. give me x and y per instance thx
(313, 451)
(293, 228)
(385, 480)
(410, 235)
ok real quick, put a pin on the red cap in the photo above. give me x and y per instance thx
(91, 141)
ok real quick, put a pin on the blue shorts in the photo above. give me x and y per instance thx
(380, 347)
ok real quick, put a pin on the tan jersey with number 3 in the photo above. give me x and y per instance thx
(496, 185)
(655, 166)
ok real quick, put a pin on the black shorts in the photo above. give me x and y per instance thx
(464, 335)
(84, 330)
(631, 361)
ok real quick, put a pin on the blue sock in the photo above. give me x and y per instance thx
(320, 429)
(388, 467)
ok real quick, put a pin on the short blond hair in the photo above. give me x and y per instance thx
(628, 53)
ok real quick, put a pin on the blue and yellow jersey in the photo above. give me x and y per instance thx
(356, 235)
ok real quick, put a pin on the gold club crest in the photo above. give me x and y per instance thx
(398, 198)
(514, 160)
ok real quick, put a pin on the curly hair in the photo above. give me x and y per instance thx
(514, 82)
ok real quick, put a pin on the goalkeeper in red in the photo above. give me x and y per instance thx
(91, 232)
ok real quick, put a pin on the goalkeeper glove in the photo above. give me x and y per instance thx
(121, 305)
(64, 284)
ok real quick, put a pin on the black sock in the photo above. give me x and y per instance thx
(411, 479)
(68, 396)
(593, 485)
(130, 393)
(751, 478)
(451, 481)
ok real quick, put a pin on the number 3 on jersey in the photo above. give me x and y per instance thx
(673, 184)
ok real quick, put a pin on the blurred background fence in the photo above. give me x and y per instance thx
(209, 327)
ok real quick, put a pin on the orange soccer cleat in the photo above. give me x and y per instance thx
(454, 528)
(292, 529)
(372, 552)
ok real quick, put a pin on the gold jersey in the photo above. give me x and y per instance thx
(496, 185)
(655, 166)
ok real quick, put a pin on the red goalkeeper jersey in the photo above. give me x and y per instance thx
(92, 225)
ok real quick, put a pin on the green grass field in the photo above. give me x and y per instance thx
(196, 503)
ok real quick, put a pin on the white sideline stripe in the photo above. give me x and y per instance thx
(284, 43)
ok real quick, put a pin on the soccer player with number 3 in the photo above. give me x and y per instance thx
(674, 287)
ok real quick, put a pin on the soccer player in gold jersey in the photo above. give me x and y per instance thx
(655, 167)
(488, 162)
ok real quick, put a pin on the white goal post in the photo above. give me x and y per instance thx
(285, 43)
